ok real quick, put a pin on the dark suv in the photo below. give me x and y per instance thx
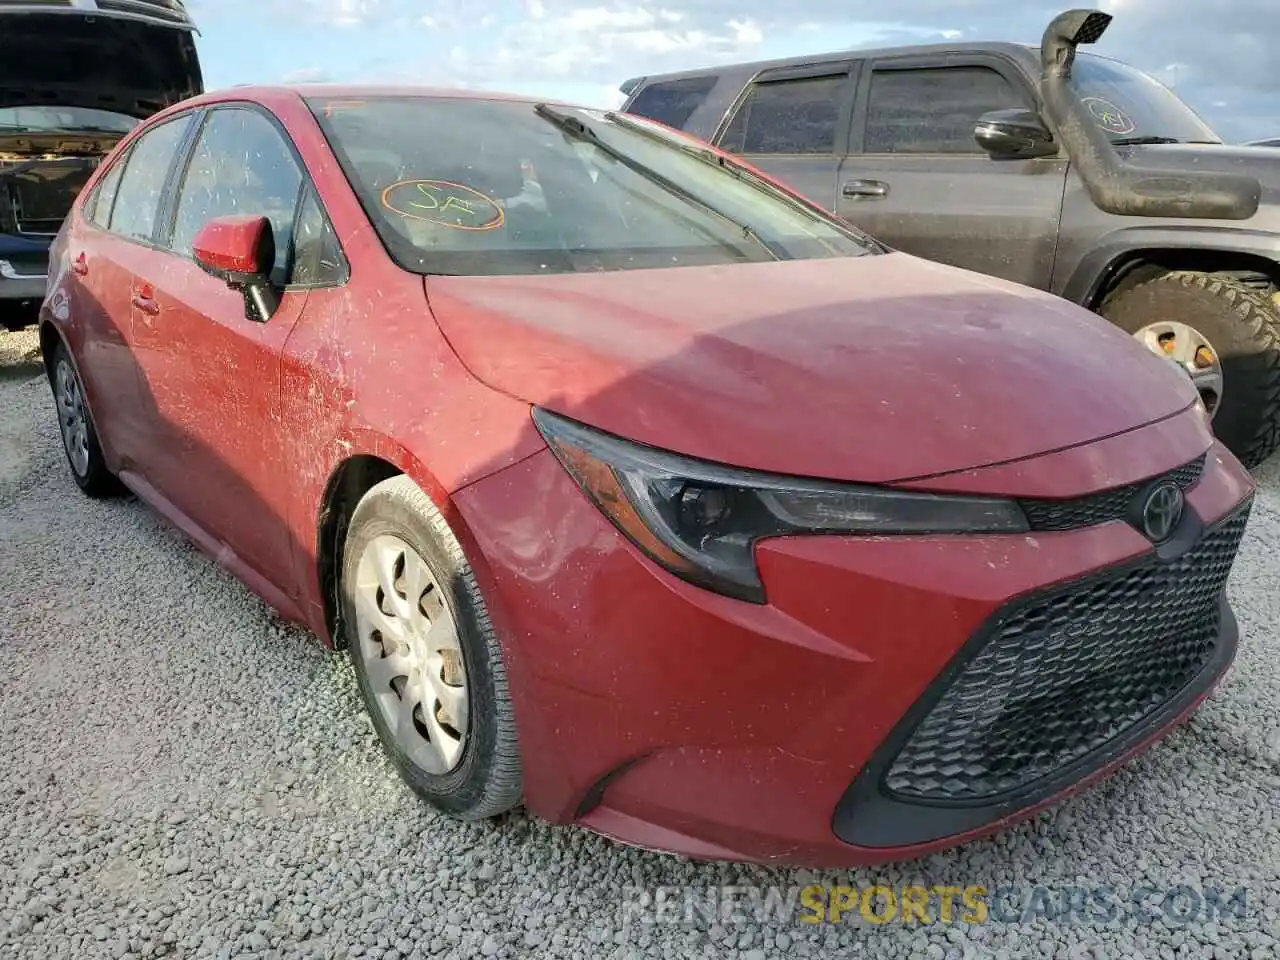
(75, 77)
(1073, 173)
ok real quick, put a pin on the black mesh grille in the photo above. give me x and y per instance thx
(1101, 507)
(1063, 676)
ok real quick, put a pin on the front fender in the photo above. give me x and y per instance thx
(1098, 266)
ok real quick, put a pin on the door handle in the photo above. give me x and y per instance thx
(865, 189)
(80, 265)
(143, 300)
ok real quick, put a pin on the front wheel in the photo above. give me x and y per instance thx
(429, 666)
(1227, 336)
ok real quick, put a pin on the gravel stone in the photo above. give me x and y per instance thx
(182, 774)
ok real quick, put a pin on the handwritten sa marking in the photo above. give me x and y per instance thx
(450, 203)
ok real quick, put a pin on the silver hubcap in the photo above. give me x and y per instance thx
(1191, 350)
(408, 643)
(73, 419)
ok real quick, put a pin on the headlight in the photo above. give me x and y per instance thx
(700, 520)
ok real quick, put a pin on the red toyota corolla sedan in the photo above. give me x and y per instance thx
(639, 488)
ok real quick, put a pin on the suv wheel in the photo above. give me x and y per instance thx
(1227, 336)
(429, 666)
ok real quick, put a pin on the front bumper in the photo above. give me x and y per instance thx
(673, 718)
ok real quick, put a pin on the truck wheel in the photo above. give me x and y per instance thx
(1227, 336)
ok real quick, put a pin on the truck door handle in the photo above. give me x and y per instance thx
(865, 189)
(80, 265)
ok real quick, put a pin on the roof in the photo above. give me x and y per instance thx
(1023, 52)
(358, 91)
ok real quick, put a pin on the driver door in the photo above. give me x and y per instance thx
(917, 179)
(211, 376)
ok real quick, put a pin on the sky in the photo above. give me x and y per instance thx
(1216, 54)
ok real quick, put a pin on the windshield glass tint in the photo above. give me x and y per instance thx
(1128, 103)
(462, 186)
(64, 118)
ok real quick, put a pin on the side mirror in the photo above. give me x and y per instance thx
(240, 251)
(1014, 135)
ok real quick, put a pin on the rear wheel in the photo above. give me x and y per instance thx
(428, 664)
(1226, 334)
(75, 424)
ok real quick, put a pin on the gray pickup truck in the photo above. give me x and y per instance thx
(1066, 171)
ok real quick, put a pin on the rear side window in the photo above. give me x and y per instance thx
(787, 116)
(139, 193)
(97, 210)
(933, 110)
(672, 101)
(241, 164)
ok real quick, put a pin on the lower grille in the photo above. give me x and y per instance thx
(1069, 672)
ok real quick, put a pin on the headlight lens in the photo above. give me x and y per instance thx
(700, 520)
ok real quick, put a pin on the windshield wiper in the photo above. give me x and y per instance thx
(711, 158)
(577, 129)
(1142, 141)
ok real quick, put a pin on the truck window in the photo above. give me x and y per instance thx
(672, 101)
(787, 116)
(933, 110)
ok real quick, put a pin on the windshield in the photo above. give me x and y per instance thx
(1131, 105)
(50, 119)
(470, 187)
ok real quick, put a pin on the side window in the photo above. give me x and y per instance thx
(241, 164)
(141, 186)
(787, 116)
(97, 209)
(672, 101)
(317, 256)
(933, 110)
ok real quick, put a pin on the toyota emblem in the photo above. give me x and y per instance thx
(1162, 511)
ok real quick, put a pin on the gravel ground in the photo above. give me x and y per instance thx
(183, 774)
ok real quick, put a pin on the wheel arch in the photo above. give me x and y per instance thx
(1135, 255)
(363, 467)
(50, 338)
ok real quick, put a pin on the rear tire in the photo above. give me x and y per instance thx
(1243, 327)
(468, 767)
(79, 435)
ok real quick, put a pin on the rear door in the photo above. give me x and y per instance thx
(916, 178)
(107, 255)
(213, 374)
(793, 122)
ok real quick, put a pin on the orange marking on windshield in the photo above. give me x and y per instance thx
(449, 204)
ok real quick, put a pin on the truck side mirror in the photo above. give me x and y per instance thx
(1014, 135)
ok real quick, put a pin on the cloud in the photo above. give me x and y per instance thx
(1221, 48)
(307, 75)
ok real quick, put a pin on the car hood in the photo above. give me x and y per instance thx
(136, 62)
(875, 368)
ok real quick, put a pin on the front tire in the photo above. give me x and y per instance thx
(1184, 311)
(428, 664)
(75, 424)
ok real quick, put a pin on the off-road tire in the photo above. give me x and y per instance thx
(96, 480)
(1243, 324)
(487, 780)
